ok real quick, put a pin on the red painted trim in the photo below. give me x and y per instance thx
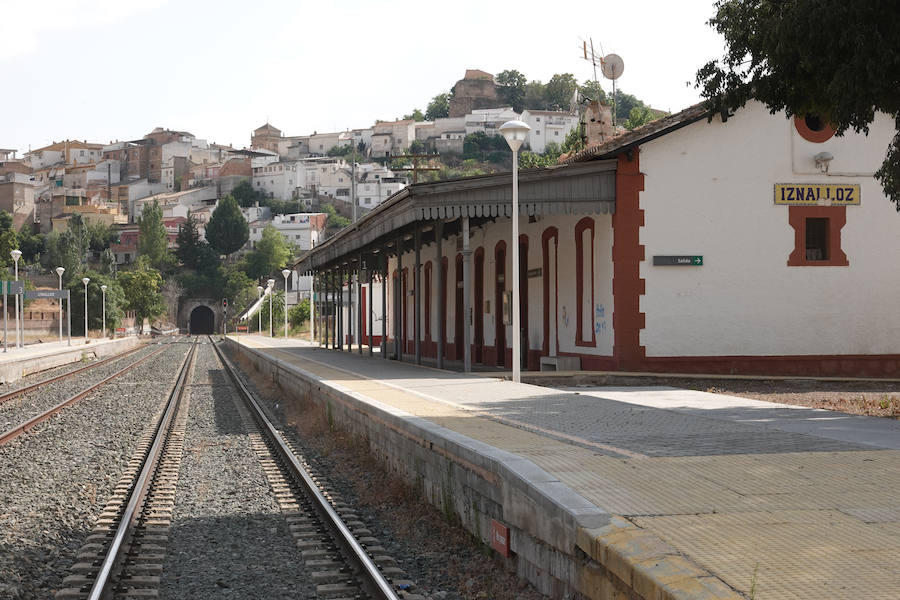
(478, 284)
(549, 233)
(428, 302)
(812, 136)
(580, 227)
(443, 317)
(458, 319)
(837, 218)
(627, 255)
(499, 327)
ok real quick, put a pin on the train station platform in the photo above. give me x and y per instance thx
(656, 492)
(16, 363)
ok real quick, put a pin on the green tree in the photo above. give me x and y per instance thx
(624, 104)
(439, 107)
(299, 313)
(9, 241)
(227, 230)
(271, 254)
(335, 221)
(79, 235)
(511, 88)
(115, 302)
(591, 89)
(559, 91)
(238, 288)
(100, 236)
(277, 300)
(188, 242)
(31, 244)
(245, 195)
(574, 140)
(535, 96)
(638, 116)
(835, 60)
(153, 241)
(415, 115)
(417, 147)
(142, 286)
(61, 250)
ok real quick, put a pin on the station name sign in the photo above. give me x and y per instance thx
(817, 194)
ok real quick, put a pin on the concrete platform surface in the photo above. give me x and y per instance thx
(19, 362)
(711, 495)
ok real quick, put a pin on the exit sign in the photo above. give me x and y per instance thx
(689, 260)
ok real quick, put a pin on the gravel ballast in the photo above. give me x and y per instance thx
(445, 561)
(55, 479)
(228, 537)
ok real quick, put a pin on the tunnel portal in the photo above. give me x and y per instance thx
(202, 321)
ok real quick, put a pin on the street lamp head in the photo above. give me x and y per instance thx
(85, 281)
(102, 288)
(60, 271)
(16, 255)
(285, 272)
(515, 133)
(259, 289)
(271, 283)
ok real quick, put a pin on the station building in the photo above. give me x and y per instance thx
(749, 243)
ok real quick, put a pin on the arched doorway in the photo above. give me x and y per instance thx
(202, 321)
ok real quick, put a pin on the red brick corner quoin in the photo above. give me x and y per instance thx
(627, 255)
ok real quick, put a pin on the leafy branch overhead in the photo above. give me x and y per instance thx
(834, 59)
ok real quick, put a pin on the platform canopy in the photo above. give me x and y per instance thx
(585, 188)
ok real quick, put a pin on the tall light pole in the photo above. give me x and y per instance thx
(271, 285)
(103, 289)
(259, 291)
(60, 271)
(85, 281)
(285, 273)
(515, 133)
(16, 255)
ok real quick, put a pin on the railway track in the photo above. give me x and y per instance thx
(23, 426)
(125, 554)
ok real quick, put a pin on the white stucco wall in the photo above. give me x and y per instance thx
(565, 315)
(708, 190)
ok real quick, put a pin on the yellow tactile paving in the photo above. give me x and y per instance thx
(817, 525)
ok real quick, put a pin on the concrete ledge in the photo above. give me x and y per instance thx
(562, 543)
(19, 363)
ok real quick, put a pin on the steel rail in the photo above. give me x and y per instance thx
(377, 586)
(18, 430)
(28, 388)
(139, 489)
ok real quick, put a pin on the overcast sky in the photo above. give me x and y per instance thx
(110, 69)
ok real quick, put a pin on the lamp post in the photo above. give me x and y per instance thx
(16, 255)
(60, 271)
(285, 273)
(259, 291)
(103, 289)
(515, 133)
(271, 285)
(85, 281)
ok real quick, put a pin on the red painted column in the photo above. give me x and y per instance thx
(627, 255)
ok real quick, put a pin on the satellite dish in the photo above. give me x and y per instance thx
(612, 66)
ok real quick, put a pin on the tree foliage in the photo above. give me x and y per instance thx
(153, 242)
(115, 301)
(188, 242)
(271, 254)
(486, 148)
(61, 250)
(836, 60)
(591, 90)
(299, 313)
(511, 88)
(246, 196)
(142, 286)
(638, 116)
(276, 298)
(439, 107)
(415, 115)
(559, 91)
(227, 230)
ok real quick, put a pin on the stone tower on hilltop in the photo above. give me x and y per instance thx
(476, 90)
